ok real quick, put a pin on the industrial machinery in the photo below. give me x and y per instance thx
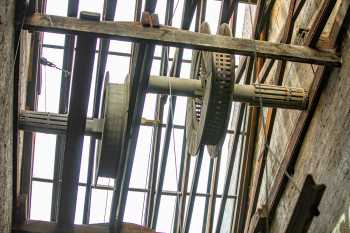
(210, 91)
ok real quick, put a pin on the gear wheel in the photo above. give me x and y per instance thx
(207, 116)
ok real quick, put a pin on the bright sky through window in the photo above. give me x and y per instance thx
(118, 67)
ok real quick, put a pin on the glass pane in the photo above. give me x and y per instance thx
(120, 46)
(150, 106)
(84, 160)
(91, 6)
(240, 20)
(92, 88)
(51, 81)
(54, 7)
(80, 205)
(197, 215)
(216, 214)
(179, 112)
(155, 67)
(125, 10)
(213, 14)
(173, 162)
(44, 155)
(142, 155)
(100, 205)
(223, 164)
(166, 212)
(186, 67)
(177, 13)
(41, 201)
(203, 176)
(226, 220)
(135, 207)
(54, 38)
(118, 68)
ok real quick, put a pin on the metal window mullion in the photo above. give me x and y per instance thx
(207, 199)
(230, 165)
(81, 84)
(194, 186)
(157, 133)
(67, 62)
(109, 9)
(183, 172)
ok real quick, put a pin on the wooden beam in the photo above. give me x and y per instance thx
(51, 227)
(165, 35)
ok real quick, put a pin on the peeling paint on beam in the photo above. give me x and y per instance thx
(133, 31)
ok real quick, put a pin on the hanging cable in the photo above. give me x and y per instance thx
(43, 61)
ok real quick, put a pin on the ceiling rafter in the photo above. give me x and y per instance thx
(182, 38)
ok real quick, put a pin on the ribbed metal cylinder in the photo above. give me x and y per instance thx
(271, 96)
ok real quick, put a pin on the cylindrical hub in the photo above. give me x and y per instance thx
(255, 94)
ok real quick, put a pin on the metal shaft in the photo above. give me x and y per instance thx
(256, 94)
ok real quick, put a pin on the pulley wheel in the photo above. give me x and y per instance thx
(207, 115)
(114, 112)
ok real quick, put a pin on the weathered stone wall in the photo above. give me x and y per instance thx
(6, 87)
(325, 151)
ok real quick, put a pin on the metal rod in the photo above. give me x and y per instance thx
(81, 83)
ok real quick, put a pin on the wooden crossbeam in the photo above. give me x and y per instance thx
(133, 31)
